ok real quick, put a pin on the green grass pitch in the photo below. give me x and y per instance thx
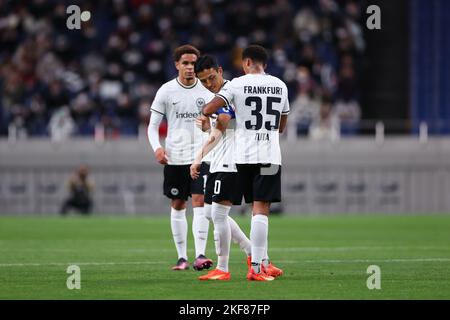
(323, 257)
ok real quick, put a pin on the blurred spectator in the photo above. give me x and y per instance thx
(80, 188)
(61, 124)
(107, 73)
(325, 127)
(349, 115)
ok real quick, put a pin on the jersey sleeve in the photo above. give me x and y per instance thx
(227, 92)
(159, 103)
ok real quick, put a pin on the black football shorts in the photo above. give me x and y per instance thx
(223, 186)
(260, 182)
(178, 183)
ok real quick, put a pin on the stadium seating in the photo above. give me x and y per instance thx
(108, 71)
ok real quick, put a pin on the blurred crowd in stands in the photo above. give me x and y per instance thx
(59, 82)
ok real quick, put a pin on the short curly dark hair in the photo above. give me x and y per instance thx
(187, 48)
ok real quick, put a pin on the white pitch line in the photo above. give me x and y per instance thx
(79, 263)
(274, 249)
(233, 262)
(379, 260)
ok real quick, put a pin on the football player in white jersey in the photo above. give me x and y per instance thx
(261, 107)
(222, 187)
(180, 101)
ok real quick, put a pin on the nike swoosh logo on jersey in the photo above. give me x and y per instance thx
(174, 103)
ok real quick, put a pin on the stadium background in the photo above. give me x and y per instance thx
(71, 97)
(367, 139)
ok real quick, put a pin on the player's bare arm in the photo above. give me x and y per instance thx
(203, 123)
(213, 139)
(161, 156)
(215, 104)
(283, 123)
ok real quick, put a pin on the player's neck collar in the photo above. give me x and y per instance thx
(224, 82)
(187, 87)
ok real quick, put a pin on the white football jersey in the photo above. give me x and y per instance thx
(222, 155)
(181, 105)
(259, 100)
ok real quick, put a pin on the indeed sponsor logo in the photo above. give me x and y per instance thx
(187, 115)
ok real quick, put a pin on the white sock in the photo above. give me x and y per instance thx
(265, 260)
(222, 234)
(178, 224)
(207, 210)
(200, 227)
(239, 237)
(258, 238)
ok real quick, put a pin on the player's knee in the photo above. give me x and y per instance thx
(198, 200)
(207, 211)
(261, 207)
(178, 204)
(219, 213)
(219, 217)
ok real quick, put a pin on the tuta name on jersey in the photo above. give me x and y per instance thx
(262, 136)
(263, 90)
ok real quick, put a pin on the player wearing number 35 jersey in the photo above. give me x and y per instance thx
(260, 100)
(262, 106)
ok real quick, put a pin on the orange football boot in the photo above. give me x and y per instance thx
(262, 276)
(216, 274)
(271, 270)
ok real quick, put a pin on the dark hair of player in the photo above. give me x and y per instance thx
(206, 62)
(257, 53)
(187, 48)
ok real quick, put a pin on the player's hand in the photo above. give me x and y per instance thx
(195, 170)
(161, 156)
(202, 123)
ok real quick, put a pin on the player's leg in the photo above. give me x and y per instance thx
(265, 260)
(237, 235)
(269, 189)
(267, 265)
(222, 233)
(200, 223)
(266, 189)
(258, 233)
(219, 185)
(177, 189)
(247, 173)
(178, 224)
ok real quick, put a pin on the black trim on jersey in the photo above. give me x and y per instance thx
(224, 99)
(224, 82)
(153, 110)
(186, 87)
(286, 112)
